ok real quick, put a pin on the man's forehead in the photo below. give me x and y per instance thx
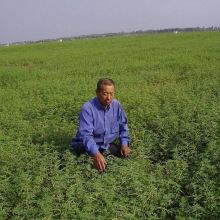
(108, 88)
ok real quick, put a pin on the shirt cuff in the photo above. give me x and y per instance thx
(93, 151)
(124, 143)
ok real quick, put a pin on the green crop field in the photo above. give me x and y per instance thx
(169, 87)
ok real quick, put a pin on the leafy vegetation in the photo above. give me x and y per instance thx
(169, 87)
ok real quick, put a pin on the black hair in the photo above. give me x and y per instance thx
(104, 81)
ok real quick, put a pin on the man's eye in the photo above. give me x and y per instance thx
(105, 94)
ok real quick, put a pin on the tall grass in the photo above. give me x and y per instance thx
(169, 87)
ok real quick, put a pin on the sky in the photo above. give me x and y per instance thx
(31, 20)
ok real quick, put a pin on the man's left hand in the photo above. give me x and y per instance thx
(125, 151)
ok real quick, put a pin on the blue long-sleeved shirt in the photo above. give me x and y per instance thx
(99, 126)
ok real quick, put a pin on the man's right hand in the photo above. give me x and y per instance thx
(99, 162)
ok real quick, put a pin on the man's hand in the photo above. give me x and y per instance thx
(99, 162)
(125, 151)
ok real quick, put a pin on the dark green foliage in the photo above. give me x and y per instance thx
(169, 87)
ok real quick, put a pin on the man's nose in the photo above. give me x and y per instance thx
(108, 96)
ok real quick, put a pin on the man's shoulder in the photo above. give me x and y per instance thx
(116, 103)
(93, 103)
(89, 104)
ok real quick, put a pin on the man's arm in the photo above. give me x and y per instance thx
(86, 131)
(124, 134)
(86, 135)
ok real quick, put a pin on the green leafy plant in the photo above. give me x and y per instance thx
(169, 87)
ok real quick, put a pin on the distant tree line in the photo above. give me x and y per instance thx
(139, 32)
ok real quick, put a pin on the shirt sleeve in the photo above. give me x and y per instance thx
(86, 129)
(123, 128)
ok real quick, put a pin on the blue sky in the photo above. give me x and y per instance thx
(23, 20)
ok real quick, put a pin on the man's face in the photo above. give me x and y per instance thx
(106, 95)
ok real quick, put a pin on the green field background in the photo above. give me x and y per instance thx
(169, 87)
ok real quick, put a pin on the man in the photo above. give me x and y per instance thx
(102, 119)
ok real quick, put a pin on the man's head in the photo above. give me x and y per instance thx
(105, 91)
